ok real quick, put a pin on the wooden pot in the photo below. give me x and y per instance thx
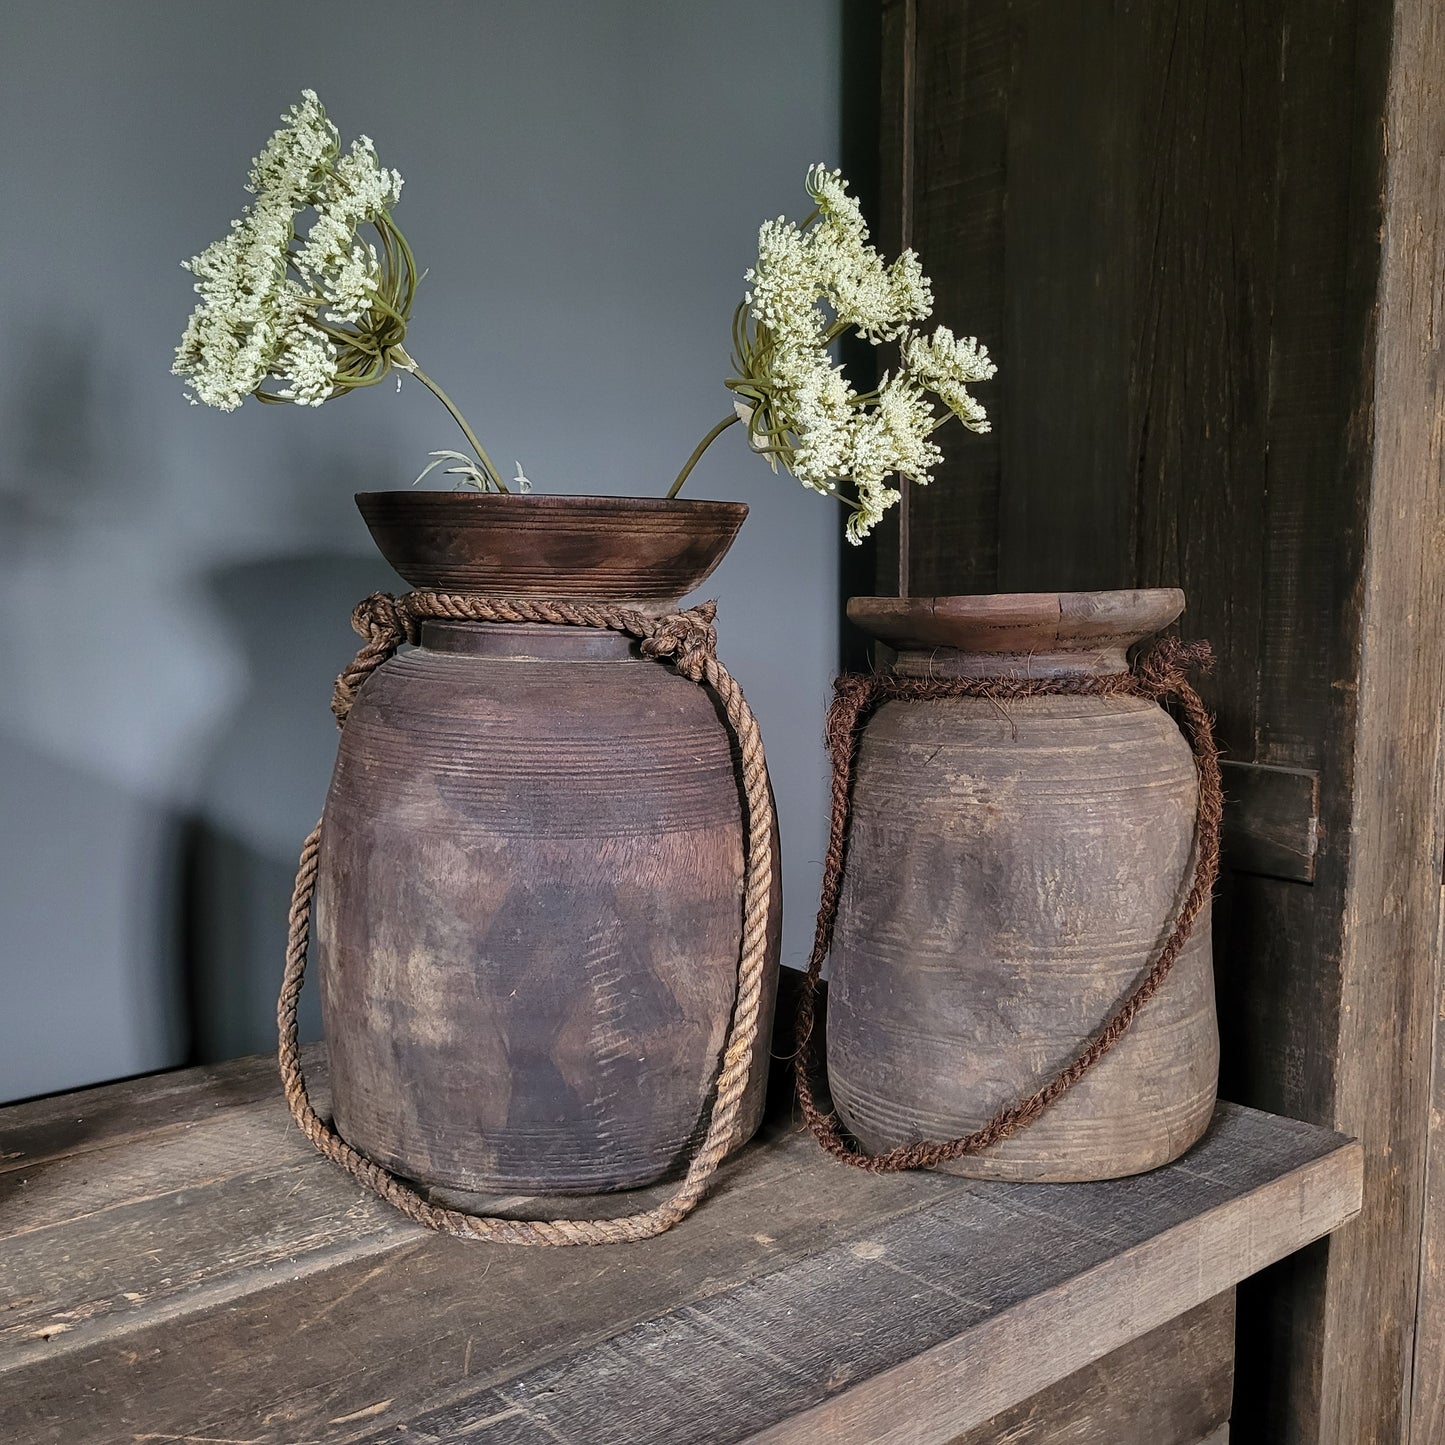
(529, 900)
(1012, 871)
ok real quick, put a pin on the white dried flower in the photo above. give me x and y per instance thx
(879, 300)
(892, 436)
(271, 308)
(785, 285)
(324, 313)
(811, 284)
(946, 364)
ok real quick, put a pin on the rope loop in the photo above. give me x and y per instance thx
(1163, 670)
(687, 641)
(1160, 674)
(380, 620)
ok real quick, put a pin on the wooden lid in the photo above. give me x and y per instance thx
(609, 549)
(1019, 622)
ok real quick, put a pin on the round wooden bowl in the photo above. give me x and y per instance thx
(607, 549)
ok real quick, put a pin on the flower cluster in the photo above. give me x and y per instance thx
(317, 313)
(812, 283)
(325, 312)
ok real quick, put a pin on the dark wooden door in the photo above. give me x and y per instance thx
(1204, 242)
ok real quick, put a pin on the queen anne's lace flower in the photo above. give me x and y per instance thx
(811, 284)
(879, 300)
(893, 436)
(273, 309)
(946, 364)
(785, 286)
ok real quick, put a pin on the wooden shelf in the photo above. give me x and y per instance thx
(177, 1264)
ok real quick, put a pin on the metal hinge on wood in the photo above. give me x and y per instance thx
(1271, 820)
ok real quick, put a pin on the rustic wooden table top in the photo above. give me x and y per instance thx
(177, 1265)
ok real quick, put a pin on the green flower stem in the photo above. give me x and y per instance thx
(404, 361)
(699, 449)
(838, 496)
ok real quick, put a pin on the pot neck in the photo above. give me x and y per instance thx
(1015, 634)
(528, 642)
(956, 662)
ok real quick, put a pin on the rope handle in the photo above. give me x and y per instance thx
(688, 641)
(1160, 674)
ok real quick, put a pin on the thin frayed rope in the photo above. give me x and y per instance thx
(1161, 673)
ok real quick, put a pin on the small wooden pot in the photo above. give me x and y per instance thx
(1012, 870)
(528, 906)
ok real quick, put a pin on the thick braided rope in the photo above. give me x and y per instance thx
(687, 640)
(1159, 675)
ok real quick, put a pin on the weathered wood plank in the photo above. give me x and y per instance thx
(308, 1323)
(222, 1194)
(1170, 1387)
(940, 1319)
(1427, 1380)
(116, 1114)
(311, 1325)
(1271, 820)
(1394, 970)
(231, 1140)
(182, 1252)
(1077, 1317)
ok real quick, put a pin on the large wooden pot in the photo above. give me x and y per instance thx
(1012, 870)
(528, 907)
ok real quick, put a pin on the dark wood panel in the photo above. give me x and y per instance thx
(1069, 249)
(1271, 820)
(897, 30)
(1172, 1386)
(1199, 333)
(962, 63)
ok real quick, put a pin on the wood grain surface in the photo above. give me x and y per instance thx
(1172, 1386)
(529, 913)
(212, 1278)
(646, 550)
(1012, 872)
(1393, 965)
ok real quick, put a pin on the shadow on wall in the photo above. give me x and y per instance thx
(69, 416)
(84, 992)
(264, 778)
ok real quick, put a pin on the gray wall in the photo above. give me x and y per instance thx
(584, 181)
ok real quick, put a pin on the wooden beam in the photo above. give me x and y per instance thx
(1392, 973)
